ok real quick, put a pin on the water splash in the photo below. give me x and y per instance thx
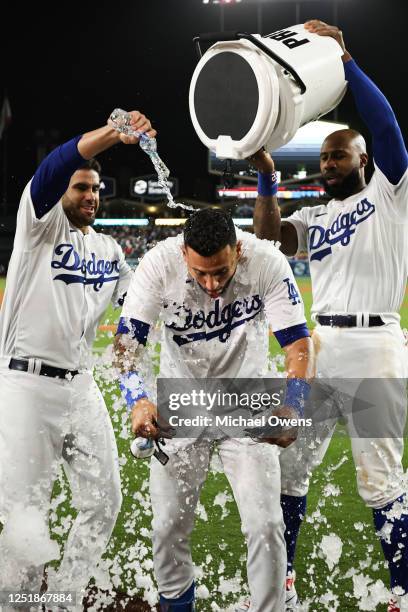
(121, 120)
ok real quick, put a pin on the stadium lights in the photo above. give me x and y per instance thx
(181, 221)
(221, 1)
(138, 222)
(247, 192)
(256, 1)
(170, 221)
(163, 222)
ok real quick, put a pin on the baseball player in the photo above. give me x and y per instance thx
(357, 247)
(62, 276)
(216, 289)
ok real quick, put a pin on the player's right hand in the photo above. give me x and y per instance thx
(144, 419)
(139, 123)
(262, 161)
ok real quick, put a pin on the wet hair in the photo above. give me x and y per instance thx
(208, 231)
(91, 164)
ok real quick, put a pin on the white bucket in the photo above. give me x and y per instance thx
(241, 98)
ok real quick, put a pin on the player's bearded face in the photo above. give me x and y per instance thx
(81, 200)
(344, 186)
(213, 273)
(342, 166)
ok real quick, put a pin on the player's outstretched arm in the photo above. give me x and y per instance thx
(129, 353)
(52, 177)
(285, 312)
(300, 371)
(389, 150)
(267, 220)
(93, 143)
(140, 310)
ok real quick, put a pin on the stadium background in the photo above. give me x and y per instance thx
(124, 55)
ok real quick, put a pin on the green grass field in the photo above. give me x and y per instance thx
(334, 507)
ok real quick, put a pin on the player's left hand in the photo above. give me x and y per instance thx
(315, 26)
(285, 435)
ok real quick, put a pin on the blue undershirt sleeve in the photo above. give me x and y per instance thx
(291, 334)
(52, 176)
(138, 330)
(389, 150)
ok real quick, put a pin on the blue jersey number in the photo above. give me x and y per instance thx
(293, 294)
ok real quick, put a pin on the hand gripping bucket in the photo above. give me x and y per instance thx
(249, 91)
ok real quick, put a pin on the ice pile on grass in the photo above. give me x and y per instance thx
(331, 547)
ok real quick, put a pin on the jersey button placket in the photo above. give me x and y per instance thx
(213, 344)
(335, 279)
(86, 258)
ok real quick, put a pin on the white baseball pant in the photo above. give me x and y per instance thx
(45, 422)
(371, 364)
(253, 472)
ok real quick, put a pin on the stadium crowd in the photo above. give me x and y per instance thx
(136, 241)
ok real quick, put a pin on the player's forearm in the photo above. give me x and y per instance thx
(129, 344)
(299, 361)
(128, 353)
(267, 219)
(93, 143)
(299, 368)
(388, 145)
(266, 214)
(127, 360)
(129, 356)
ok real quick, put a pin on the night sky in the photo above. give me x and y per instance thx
(70, 64)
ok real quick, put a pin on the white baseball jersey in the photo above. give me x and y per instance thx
(222, 337)
(59, 283)
(358, 249)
